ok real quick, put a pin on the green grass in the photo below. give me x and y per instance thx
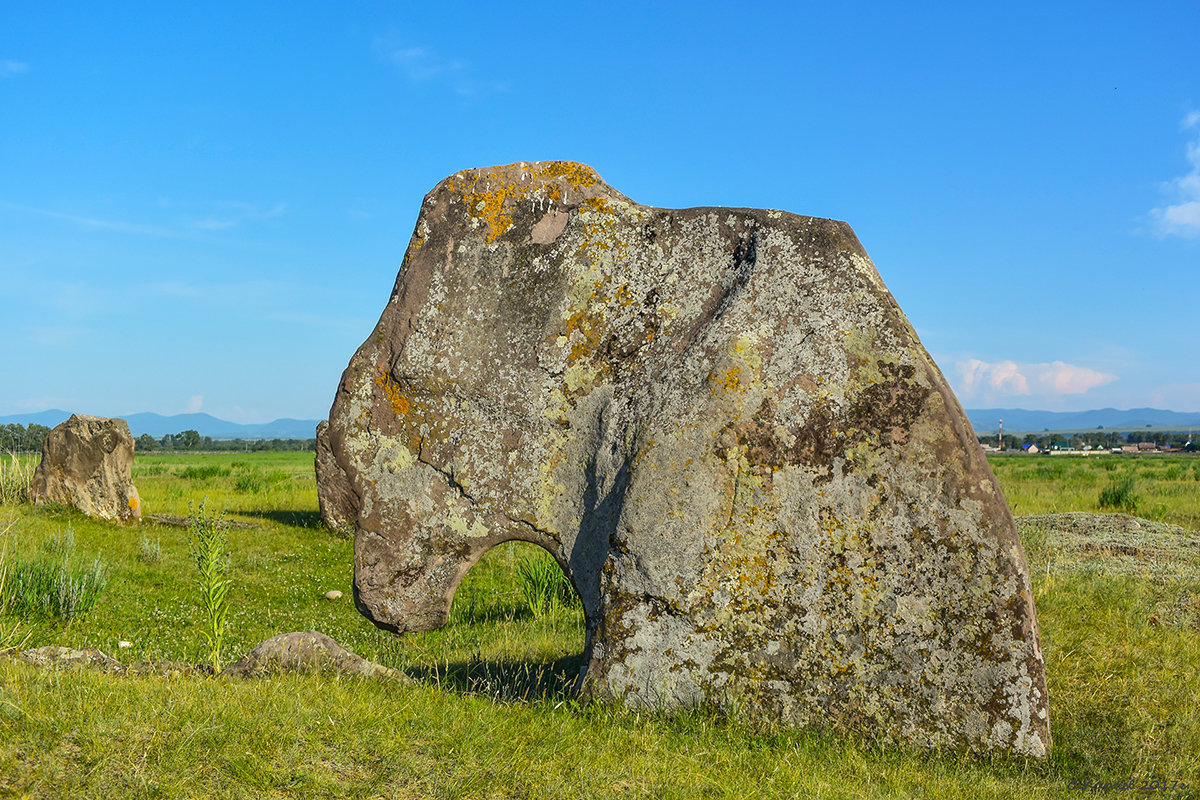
(16, 476)
(52, 583)
(492, 715)
(1167, 485)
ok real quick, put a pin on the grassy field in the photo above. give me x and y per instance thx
(1167, 485)
(491, 713)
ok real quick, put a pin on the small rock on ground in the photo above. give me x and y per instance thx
(307, 651)
(67, 657)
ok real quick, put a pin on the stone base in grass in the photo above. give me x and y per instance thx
(308, 651)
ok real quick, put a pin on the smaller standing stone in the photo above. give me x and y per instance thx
(87, 463)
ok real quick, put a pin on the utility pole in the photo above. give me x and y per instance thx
(1000, 437)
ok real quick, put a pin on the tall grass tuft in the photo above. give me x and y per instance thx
(208, 542)
(49, 585)
(16, 477)
(150, 550)
(9, 629)
(543, 585)
(1120, 495)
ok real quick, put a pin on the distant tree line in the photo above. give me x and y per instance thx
(191, 440)
(29, 438)
(1099, 438)
(21, 438)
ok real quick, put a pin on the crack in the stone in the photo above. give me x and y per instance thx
(530, 525)
(448, 474)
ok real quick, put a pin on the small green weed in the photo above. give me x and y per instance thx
(250, 482)
(203, 473)
(1120, 495)
(543, 585)
(208, 542)
(59, 543)
(150, 550)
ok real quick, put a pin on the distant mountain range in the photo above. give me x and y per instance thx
(158, 425)
(982, 419)
(1020, 420)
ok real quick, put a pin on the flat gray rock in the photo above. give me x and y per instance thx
(721, 425)
(307, 651)
(68, 658)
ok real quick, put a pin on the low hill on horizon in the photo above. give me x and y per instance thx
(1018, 420)
(158, 425)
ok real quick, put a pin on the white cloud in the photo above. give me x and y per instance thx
(56, 337)
(236, 214)
(423, 65)
(1182, 218)
(1059, 378)
(195, 402)
(10, 69)
(97, 224)
(980, 377)
(420, 65)
(991, 381)
(1177, 396)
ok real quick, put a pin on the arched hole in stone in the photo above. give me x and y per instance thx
(516, 630)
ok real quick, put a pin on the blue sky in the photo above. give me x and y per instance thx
(203, 206)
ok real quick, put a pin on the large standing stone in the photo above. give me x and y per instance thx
(723, 428)
(87, 463)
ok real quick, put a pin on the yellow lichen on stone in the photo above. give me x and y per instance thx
(391, 390)
(489, 194)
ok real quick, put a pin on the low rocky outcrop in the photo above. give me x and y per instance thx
(721, 425)
(307, 651)
(53, 656)
(87, 463)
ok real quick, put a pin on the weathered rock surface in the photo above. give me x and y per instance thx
(723, 428)
(87, 463)
(309, 651)
(69, 658)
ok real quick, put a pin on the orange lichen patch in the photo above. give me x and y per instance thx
(576, 174)
(414, 244)
(598, 204)
(488, 193)
(391, 390)
(730, 380)
(589, 333)
(623, 295)
(133, 504)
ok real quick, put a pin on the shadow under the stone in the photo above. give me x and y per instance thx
(519, 681)
(298, 519)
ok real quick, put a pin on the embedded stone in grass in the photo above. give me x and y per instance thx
(87, 463)
(68, 657)
(309, 651)
(333, 594)
(726, 433)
